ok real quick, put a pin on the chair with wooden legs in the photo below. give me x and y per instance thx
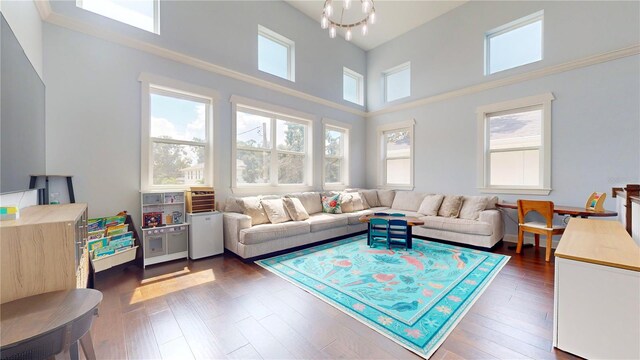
(537, 228)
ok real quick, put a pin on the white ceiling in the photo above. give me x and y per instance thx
(393, 17)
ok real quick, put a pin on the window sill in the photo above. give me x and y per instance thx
(396, 187)
(515, 191)
(271, 190)
(334, 187)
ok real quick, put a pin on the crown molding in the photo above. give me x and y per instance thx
(64, 21)
(514, 79)
(44, 8)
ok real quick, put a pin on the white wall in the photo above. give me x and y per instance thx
(24, 19)
(595, 117)
(93, 102)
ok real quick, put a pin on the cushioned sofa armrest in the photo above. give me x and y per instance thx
(493, 217)
(231, 225)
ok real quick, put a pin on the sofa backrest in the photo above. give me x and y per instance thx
(407, 200)
(310, 200)
(386, 197)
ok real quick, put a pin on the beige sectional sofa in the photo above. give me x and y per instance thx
(248, 232)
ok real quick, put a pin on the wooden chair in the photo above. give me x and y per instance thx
(378, 230)
(398, 233)
(547, 228)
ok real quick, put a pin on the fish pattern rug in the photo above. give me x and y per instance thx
(414, 297)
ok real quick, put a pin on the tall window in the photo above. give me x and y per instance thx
(514, 44)
(396, 154)
(271, 148)
(515, 145)
(352, 86)
(143, 14)
(177, 133)
(336, 155)
(276, 54)
(397, 82)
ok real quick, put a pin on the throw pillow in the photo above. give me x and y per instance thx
(310, 200)
(472, 206)
(233, 204)
(386, 197)
(295, 209)
(353, 202)
(372, 197)
(275, 211)
(365, 204)
(431, 204)
(251, 206)
(331, 204)
(450, 206)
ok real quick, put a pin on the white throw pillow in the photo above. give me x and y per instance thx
(310, 200)
(450, 206)
(275, 211)
(472, 206)
(365, 204)
(295, 209)
(350, 202)
(431, 204)
(251, 206)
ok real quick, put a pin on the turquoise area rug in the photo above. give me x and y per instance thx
(413, 297)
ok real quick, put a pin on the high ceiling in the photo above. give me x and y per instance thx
(393, 17)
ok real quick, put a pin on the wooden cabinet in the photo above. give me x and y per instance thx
(44, 250)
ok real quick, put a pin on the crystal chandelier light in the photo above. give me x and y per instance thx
(333, 18)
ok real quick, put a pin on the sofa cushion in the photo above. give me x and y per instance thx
(430, 204)
(354, 217)
(310, 201)
(365, 204)
(275, 211)
(371, 196)
(251, 206)
(386, 197)
(450, 206)
(463, 226)
(350, 202)
(295, 209)
(472, 206)
(331, 204)
(407, 200)
(266, 232)
(232, 204)
(322, 221)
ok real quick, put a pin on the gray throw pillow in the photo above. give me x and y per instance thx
(450, 206)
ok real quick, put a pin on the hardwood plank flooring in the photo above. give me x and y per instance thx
(221, 307)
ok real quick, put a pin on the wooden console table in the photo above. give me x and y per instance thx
(597, 291)
(567, 210)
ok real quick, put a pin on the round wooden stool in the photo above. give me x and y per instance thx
(41, 326)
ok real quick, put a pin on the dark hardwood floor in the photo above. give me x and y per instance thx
(221, 307)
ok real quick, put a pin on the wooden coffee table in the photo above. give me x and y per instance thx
(411, 222)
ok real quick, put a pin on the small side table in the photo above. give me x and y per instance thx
(41, 326)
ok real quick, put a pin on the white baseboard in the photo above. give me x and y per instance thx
(528, 239)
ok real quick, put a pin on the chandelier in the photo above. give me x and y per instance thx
(333, 18)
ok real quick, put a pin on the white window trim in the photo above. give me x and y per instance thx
(529, 19)
(328, 124)
(148, 81)
(393, 70)
(285, 114)
(360, 85)
(543, 100)
(381, 151)
(291, 51)
(156, 16)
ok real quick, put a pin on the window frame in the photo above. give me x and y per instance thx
(156, 16)
(392, 71)
(359, 85)
(542, 101)
(382, 154)
(154, 84)
(284, 41)
(503, 29)
(328, 124)
(275, 113)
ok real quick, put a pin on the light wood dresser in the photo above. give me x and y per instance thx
(597, 291)
(44, 250)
